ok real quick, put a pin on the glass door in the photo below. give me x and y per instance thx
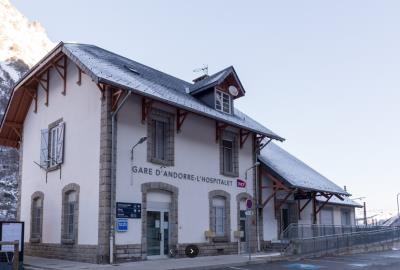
(157, 233)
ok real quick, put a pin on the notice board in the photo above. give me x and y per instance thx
(12, 231)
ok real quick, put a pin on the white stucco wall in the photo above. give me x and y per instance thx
(196, 152)
(80, 110)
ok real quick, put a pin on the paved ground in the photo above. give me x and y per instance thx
(203, 263)
(388, 260)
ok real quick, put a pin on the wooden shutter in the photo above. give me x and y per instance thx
(44, 148)
(60, 143)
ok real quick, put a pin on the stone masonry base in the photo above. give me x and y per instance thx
(81, 253)
(125, 253)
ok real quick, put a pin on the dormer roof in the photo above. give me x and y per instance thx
(217, 79)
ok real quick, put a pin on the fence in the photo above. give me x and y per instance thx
(303, 231)
(339, 242)
(14, 261)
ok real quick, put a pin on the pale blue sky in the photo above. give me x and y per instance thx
(323, 74)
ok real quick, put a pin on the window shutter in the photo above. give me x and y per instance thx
(60, 143)
(44, 148)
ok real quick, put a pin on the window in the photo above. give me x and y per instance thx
(159, 140)
(222, 102)
(229, 155)
(220, 215)
(160, 133)
(36, 217)
(52, 145)
(346, 220)
(70, 214)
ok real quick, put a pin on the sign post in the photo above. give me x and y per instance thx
(249, 213)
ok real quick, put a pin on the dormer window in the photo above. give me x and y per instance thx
(223, 102)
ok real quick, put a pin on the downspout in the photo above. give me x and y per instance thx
(113, 176)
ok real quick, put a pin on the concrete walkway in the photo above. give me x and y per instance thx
(199, 263)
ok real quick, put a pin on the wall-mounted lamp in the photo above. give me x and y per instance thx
(141, 140)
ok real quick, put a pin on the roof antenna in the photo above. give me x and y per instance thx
(203, 69)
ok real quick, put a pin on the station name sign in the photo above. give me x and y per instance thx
(181, 176)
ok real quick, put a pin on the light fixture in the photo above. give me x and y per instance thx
(141, 140)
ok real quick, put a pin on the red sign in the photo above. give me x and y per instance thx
(241, 183)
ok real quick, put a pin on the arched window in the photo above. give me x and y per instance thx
(70, 215)
(36, 217)
(219, 213)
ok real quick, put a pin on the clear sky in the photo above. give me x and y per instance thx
(323, 74)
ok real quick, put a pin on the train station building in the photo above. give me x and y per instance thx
(122, 162)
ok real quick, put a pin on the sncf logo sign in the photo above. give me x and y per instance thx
(241, 183)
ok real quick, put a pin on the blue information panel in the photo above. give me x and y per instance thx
(129, 210)
(122, 224)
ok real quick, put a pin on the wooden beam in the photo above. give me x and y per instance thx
(17, 131)
(79, 81)
(325, 202)
(269, 198)
(62, 71)
(276, 181)
(44, 83)
(314, 217)
(116, 97)
(32, 95)
(102, 89)
(13, 124)
(305, 205)
(284, 200)
(8, 141)
(244, 134)
(146, 108)
(180, 118)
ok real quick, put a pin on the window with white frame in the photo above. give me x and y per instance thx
(223, 102)
(52, 145)
(219, 211)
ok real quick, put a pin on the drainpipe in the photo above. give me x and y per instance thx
(113, 176)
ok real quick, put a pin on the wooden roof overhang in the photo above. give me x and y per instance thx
(299, 193)
(25, 91)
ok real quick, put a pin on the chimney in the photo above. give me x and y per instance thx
(202, 77)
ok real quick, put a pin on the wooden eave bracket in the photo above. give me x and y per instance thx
(102, 88)
(146, 108)
(62, 71)
(324, 203)
(33, 95)
(16, 127)
(44, 83)
(116, 97)
(180, 118)
(244, 134)
(284, 199)
(79, 81)
(219, 128)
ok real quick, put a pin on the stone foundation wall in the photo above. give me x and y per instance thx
(128, 253)
(81, 253)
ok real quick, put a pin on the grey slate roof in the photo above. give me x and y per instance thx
(295, 172)
(346, 202)
(107, 67)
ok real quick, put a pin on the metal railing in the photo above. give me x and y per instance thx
(15, 258)
(302, 231)
(330, 243)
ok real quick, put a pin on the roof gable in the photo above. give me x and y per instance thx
(223, 79)
(105, 67)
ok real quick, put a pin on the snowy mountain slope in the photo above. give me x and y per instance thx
(20, 38)
(22, 44)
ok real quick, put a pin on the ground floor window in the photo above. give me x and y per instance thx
(346, 217)
(70, 213)
(220, 215)
(36, 216)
